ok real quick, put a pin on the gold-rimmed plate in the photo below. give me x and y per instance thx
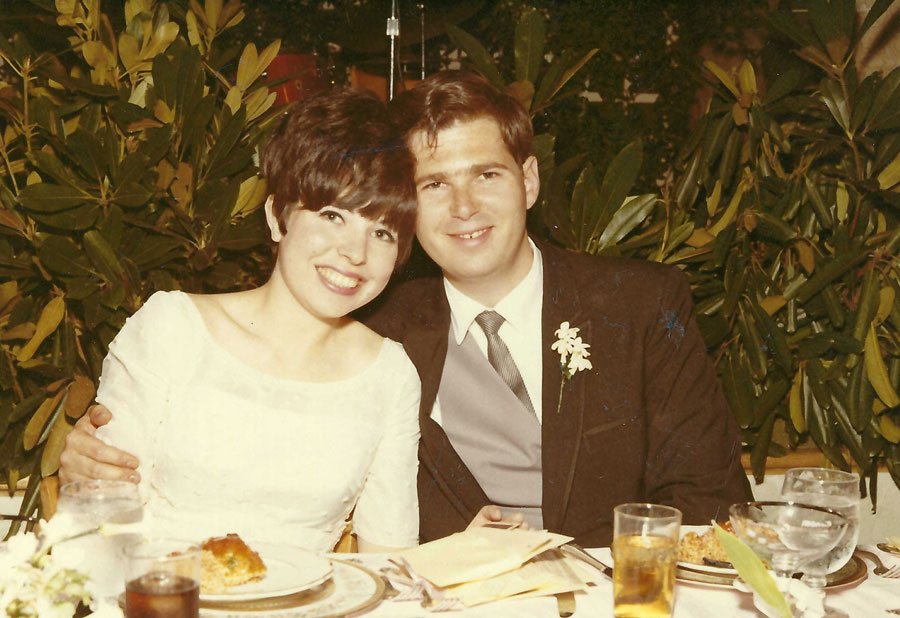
(350, 589)
(850, 574)
(289, 570)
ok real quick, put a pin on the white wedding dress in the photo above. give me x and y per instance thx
(227, 448)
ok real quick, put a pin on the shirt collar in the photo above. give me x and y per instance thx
(515, 307)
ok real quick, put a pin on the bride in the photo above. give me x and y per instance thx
(270, 412)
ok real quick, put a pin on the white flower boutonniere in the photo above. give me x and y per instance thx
(573, 354)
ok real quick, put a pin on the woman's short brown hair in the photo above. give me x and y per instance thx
(341, 149)
(447, 97)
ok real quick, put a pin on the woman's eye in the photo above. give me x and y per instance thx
(331, 215)
(385, 235)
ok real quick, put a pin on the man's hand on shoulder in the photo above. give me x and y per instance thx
(87, 457)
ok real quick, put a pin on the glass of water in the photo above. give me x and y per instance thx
(91, 504)
(838, 491)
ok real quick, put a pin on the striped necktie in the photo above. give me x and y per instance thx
(500, 358)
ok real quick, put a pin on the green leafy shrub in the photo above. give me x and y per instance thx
(788, 202)
(126, 167)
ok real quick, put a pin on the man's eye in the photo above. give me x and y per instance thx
(489, 175)
(432, 185)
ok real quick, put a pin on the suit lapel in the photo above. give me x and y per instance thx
(561, 430)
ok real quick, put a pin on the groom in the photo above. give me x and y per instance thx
(499, 424)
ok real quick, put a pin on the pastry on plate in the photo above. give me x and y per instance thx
(703, 548)
(228, 561)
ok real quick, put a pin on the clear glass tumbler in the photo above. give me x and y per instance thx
(645, 551)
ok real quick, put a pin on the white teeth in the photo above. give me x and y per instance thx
(473, 234)
(337, 279)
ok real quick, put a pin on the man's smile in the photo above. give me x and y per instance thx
(472, 235)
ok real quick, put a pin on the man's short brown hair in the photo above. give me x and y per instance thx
(447, 97)
(341, 149)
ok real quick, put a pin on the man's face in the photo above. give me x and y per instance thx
(473, 198)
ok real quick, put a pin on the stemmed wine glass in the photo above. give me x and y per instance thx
(838, 491)
(787, 535)
(91, 504)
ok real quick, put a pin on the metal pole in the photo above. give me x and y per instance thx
(393, 31)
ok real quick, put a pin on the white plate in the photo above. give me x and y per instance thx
(704, 568)
(289, 570)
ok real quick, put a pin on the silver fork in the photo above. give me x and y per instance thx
(880, 570)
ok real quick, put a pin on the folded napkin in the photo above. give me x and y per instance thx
(487, 564)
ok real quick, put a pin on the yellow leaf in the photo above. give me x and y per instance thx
(33, 179)
(795, 402)
(890, 175)
(71, 124)
(129, 51)
(771, 304)
(251, 195)
(81, 393)
(805, 256)
(739, 114)
(231, 14)
(247, 67)
(889, 429)
(259, 102)
(11, 219)
(56, 442)
(843, 201)
(35, 426)
(51, 316)
(162, 112)
(747, 78)
(20, 331)
(65, 7)
(95, 54)
(885, 304)
(161, 39)
(266, 56)
(723, 76)
(8, 291)
(882, 224)
(712, 202)
(877, 371)
(699, 238)
(233, 99)
(730, 212)
(166, 174)
(213, 9)
(193, 30)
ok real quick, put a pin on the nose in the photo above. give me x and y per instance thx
(464, 205)
(353, 246)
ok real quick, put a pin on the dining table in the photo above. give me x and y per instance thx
(867, 596)
(870, 597)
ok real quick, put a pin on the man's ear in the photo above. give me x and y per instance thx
(532, 181)
(272, 220)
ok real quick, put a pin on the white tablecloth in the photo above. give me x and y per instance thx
(868, 599)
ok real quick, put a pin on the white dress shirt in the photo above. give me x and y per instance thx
(520, 331)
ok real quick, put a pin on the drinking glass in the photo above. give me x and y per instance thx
(91, 504)
(787, 535)
(645, 550)
(838, 491)
(162, 579)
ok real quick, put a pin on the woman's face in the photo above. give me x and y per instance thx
(333, 261)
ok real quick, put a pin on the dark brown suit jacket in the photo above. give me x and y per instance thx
(648, 423)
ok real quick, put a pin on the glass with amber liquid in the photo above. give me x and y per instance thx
(645, 551)
(162, 579)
